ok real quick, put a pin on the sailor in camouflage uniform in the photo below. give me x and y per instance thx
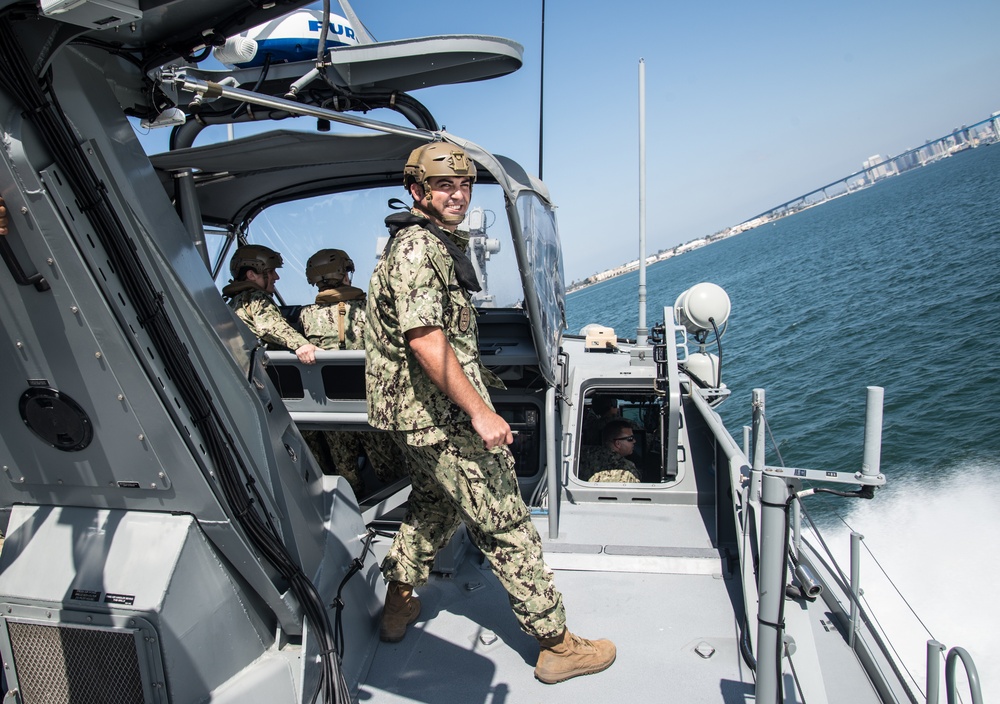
(336, 321)
(608, 462)
(426, 384)
(254, 269)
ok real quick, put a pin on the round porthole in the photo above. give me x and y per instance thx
(56, 418)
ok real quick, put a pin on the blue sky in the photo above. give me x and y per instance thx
(747, 105)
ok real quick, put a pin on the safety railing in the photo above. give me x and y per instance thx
(934, 650)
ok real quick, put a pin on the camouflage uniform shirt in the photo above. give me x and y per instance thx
(413, 286)
(321, 327)
(256, 308)
(601, 464)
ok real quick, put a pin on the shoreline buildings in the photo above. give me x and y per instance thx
(874, 169)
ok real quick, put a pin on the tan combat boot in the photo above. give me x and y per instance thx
(566, 655)
(401, 609)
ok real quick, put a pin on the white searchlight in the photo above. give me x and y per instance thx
(697, 307)
(702, 309)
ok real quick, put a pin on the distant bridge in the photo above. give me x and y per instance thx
(931, 151)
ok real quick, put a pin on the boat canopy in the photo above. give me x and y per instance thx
(238, 179)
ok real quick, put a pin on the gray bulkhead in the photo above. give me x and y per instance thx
(89, 520)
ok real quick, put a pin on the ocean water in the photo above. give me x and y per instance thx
(895, 286)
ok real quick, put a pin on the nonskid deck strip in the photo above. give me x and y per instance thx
(634, 558)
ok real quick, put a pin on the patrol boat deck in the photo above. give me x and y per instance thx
(169, 537)
(470, 648)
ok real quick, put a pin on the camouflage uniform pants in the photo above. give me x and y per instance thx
(387, 459)
(337, 452)
(455, 481)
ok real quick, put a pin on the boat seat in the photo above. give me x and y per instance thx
(291, 315)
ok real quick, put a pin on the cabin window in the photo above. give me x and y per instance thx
(641, 409)
(218, 251)
(544, 253)
(344, 382)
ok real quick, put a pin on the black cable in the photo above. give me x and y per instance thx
(405, 104)
(698, 381)
(199, 57)
(109, 48)
(356, 566)
(324, 31)
(408, 106)
(746, 649)
(865, 492)
(161, 54)
(718, 345)
(265, 67)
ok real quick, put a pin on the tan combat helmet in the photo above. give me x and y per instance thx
(437, 159)
(329, 266)
(254, 256)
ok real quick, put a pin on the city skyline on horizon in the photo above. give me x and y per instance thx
(874, 164)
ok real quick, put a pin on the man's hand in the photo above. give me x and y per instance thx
(307, 353)
(3, 218)
(493, 429)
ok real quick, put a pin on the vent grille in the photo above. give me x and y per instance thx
(64, 665)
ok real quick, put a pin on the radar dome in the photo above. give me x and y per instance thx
(294, 37)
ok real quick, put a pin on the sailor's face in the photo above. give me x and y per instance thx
(449, 200)
(265, 281)
(625, 444)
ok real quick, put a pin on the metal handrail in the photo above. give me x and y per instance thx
(209, 90)
(934, 649)
(951, 686)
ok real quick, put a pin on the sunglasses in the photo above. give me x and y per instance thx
(627, 438)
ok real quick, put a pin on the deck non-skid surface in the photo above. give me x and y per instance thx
(676, 634)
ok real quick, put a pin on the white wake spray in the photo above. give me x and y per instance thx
(938, 541)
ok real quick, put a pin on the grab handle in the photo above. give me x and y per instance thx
(17, 271)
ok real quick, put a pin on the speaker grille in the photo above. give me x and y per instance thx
(66, 665)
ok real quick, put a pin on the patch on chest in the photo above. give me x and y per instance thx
(464, 319)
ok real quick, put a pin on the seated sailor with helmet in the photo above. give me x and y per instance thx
(336, 321)
(602, 410)
(254, 271)
(609, 463)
